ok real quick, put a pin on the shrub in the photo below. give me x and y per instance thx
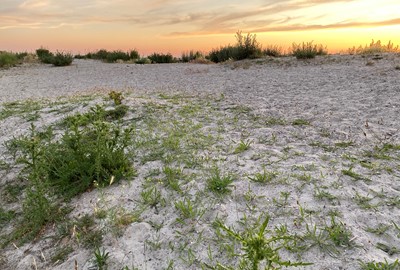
(86, 156)
(223, 54)
(62, 59)
(161, 58)
(114, 56)
(190, 56)
(8, 59)
(273, 50)
(375, 48)
(247, 47)
(308, 50)
(45, 56)
(133, 54)
(143, 61)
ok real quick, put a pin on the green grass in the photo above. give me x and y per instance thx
(307, 50)
(8, 59)
(220, 184)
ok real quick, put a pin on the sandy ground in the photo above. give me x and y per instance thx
(343, 98)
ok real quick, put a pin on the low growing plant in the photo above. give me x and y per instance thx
(308, 50)
(259, 247)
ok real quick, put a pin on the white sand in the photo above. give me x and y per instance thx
(341, 95)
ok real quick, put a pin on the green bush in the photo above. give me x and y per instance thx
(247, 47)
(160, 58)
(223, 54)
(89, 153)
(45, 56)
(62, 59)
(114, 56)
(143, 61)
(133, 54)
(273, 50)
(8, 59)
(308, 50)
(190, 56)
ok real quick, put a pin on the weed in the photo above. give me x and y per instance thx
(379, 230)
(152, 197)
(101, 258)
(349, 172)
(6, 216)
(116, 97)
(246, 47)
(242, 147)
(273, 50)
(259, 246)
(187, 210)
(62, 59)
(344, 144)
(388, 249)
(364, 201)
(264, 177)
(338, 233)
(61, 254)
(173, 175)
(307, 50)
(219, 184)
(322, 194)
(300, 122)
(191, 55)
(374, 48)
(45, 56)
(160, 58)
(380, 265)
(8, 59)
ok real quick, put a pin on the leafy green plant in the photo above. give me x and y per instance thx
(374, 48)
(45, 56)
(259, 246)
(338, 233)
(191, 56)
(380, 265)
(8, 59)
(187, 210)
(61, 59)
(219, 184)
(307, 50)
(101, 258)
(264, 177)
(246, 47)
(117, 97)
(273, 50)
(242, 146)
(160, 58)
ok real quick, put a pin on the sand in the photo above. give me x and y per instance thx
(350, 105)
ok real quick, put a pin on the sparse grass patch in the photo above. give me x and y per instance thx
(308, 50)
(8, 59)
(264, 177)
(380, 265)
(300, 122)
(242, 146)
(219, 184)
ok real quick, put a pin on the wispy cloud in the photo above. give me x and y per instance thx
(197, 17)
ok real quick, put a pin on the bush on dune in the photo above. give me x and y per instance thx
(8, 59)
(308, 50)
(247, 47)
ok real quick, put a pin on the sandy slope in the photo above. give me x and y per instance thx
(345, 96)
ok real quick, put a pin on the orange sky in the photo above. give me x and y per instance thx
(80, 26)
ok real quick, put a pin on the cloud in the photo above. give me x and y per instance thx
(191, 18)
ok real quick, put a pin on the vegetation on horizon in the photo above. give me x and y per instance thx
(374, 48)
(59, 59)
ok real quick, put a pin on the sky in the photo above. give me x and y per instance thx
(176, 26)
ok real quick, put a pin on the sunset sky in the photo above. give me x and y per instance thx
(80, 26)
